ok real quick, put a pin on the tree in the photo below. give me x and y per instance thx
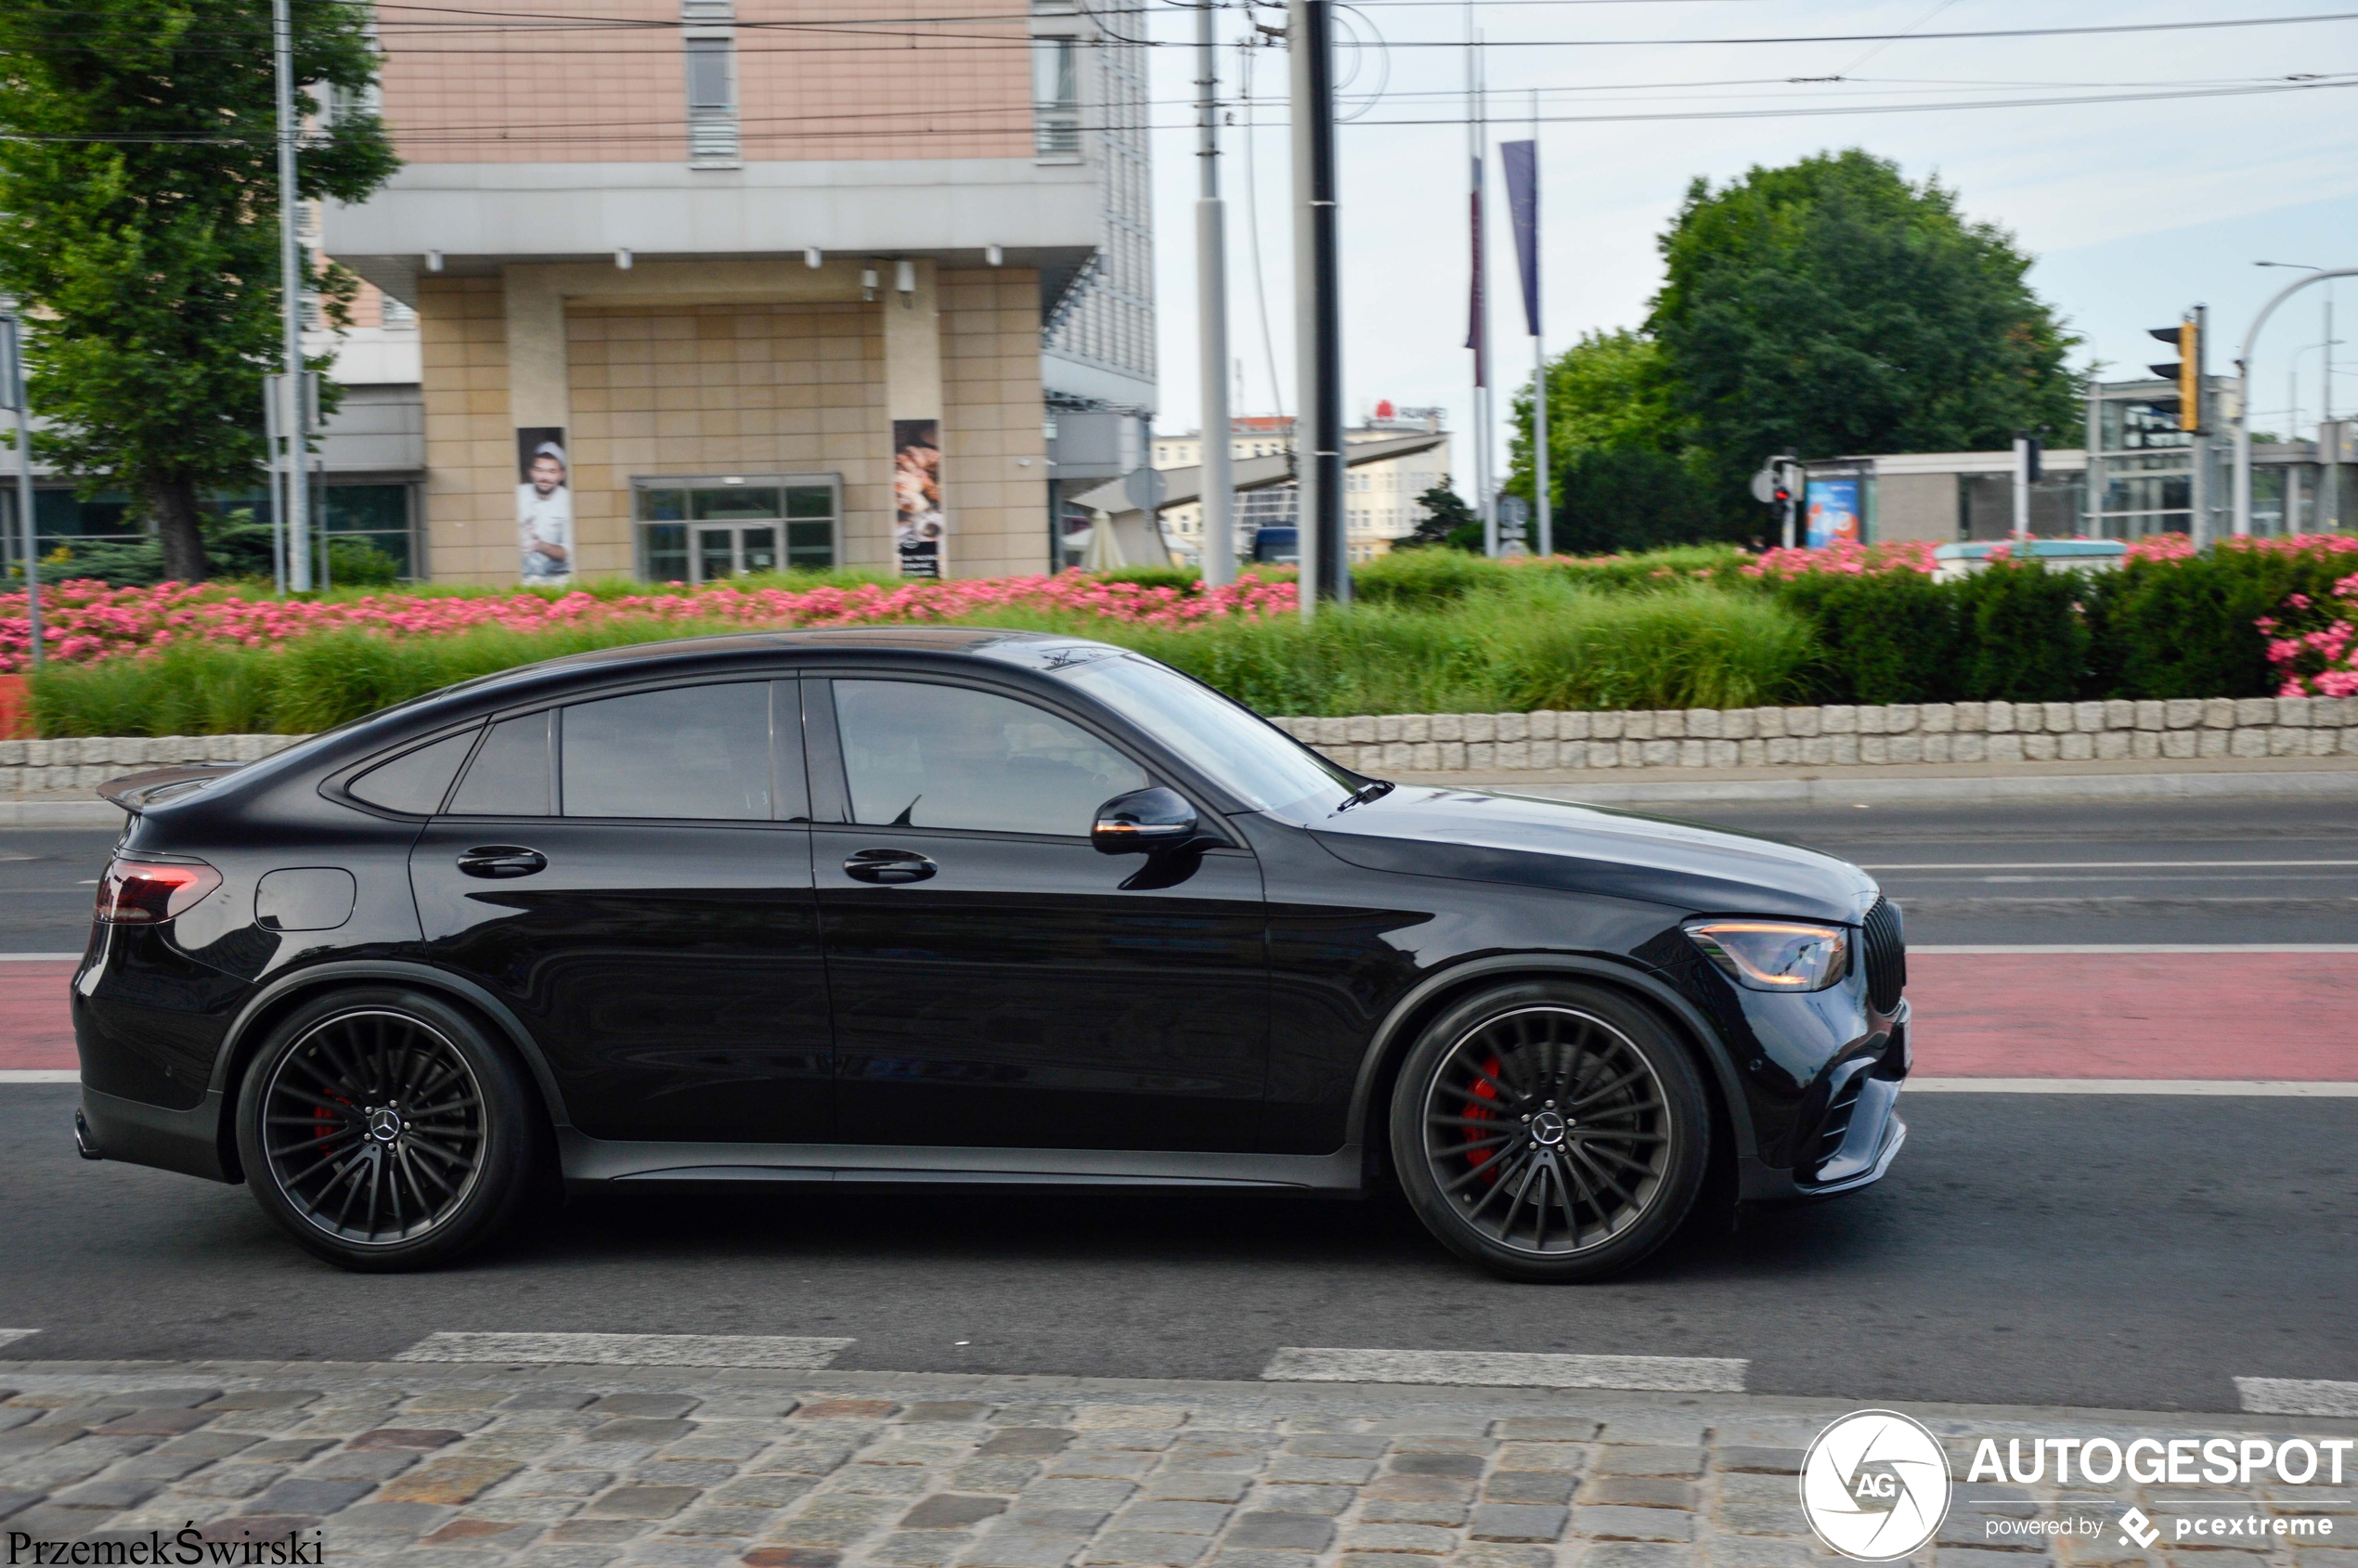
(1620, 474)
(1448, 520)
(1832, 307)
(139, 222)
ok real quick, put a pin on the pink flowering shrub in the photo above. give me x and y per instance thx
(84, 621)
(1844, 558)
(2313, 645)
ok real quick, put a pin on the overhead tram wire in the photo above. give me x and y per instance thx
(574, 136)
(2085, 31)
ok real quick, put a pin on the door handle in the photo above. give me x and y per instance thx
(889, 867)
(501, 860)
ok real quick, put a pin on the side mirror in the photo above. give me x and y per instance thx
(1142, 820)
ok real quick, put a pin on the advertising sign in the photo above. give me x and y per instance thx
(544, 506)
(1832, 511)
(917, 522)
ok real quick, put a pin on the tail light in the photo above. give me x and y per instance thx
(138, 892)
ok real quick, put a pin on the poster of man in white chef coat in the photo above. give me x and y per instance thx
(544, 506)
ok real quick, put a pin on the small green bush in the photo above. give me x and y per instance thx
(2188, 628)
(2025, 638)
(1889, 637)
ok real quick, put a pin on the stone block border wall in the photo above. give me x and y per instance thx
(1839, 736)
(87, 761)
(1486, 743)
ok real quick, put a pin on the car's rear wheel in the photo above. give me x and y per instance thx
(1550, 1130)
(384, 1130)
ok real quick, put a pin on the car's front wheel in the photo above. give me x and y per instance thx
(1550, 1130)
(384, 1130)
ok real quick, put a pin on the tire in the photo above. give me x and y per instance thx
(1550, 1132)
(359, 1178)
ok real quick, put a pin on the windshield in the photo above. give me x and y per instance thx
(1258, 762)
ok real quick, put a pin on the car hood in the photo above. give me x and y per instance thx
(1476, 835)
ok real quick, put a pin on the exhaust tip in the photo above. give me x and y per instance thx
(84, 1144)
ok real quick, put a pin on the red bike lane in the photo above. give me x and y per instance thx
(2028, 1013)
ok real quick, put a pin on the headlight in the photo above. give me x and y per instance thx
(1776, 955)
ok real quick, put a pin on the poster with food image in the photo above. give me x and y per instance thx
(918, 526)
(544, 506)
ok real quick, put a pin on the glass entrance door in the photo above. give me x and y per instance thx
(709, 530)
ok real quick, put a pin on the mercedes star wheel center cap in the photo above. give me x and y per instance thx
(1547, 1127)
(384, 1124)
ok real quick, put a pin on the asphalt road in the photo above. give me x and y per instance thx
(2118, 1250)
(2128, 1253)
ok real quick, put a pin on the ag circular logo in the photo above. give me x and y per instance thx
(1875, 1486)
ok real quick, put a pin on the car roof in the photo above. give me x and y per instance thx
(1021, 648)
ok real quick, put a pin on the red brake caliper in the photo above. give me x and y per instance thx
(1483, 1090)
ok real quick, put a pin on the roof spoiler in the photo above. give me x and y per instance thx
(135, 792)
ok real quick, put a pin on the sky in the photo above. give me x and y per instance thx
(2133, 210)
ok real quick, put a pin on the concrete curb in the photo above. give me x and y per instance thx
(1238, 1397)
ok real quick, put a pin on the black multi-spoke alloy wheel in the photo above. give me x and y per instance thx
(1550, 1130)
(384, 1130)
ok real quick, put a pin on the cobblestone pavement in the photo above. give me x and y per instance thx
(574, 1468)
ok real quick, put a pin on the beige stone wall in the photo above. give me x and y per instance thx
(725, 389)
(470, 445)
(995, 456)
(709, 386)
(615, 90)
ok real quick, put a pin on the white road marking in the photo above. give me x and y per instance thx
(2297, 1396)
(1993, 948)
(39, 1075)
(786, 1352)
(40, 958)
(1677, 1374)
(2293, 1088)
(9, 1336)
(2096, 865)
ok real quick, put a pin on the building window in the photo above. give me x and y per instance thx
(1056, 97)
(400, 317)
(707, 529)
(712, 102)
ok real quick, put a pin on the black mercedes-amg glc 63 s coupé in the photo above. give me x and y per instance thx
(957, 906)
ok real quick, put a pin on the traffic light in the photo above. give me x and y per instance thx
(2186, 338)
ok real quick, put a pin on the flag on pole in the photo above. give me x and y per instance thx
(1477, 339)
(1521, 163)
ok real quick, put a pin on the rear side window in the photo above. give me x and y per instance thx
(510, 774)
(416, 781)
(695, 751)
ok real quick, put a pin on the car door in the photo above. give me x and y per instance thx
(632, 875)
(997, 981)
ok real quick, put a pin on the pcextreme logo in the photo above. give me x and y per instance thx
(1874, 1485)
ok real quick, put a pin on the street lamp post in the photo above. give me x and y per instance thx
(2243, 380)
(12, 349)
(294, 479)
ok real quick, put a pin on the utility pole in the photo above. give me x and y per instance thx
(12, 324)
(1478, 329)
(1326, 566)
(295, 481)
(1219, 488)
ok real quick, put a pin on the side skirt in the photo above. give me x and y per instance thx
(590, 1162)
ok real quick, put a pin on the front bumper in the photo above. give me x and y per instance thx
(1856, 1136)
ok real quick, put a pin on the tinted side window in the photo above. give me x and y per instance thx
(925, 756)
(693, 751)
(510, 774)
(416, 781)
